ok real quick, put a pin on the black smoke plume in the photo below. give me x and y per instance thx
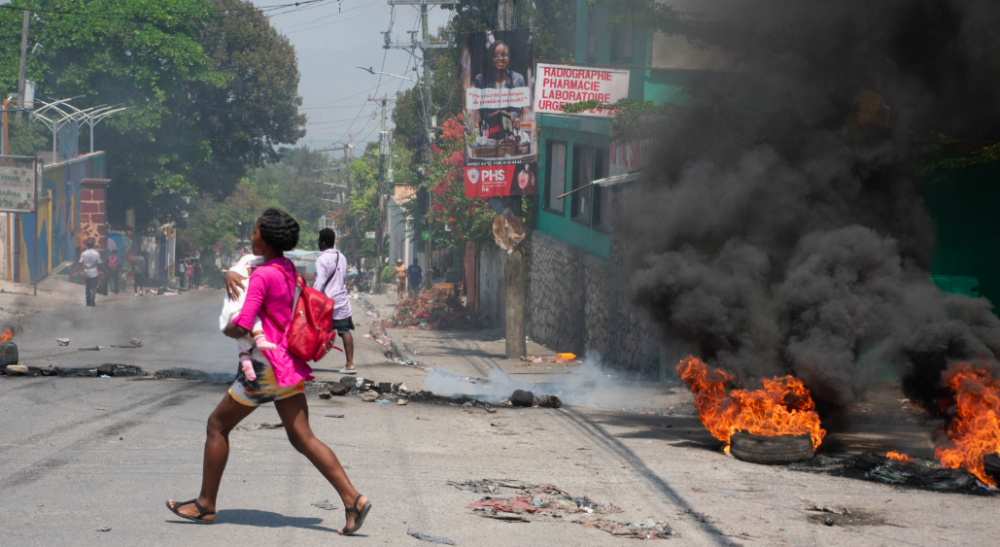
(782, 228)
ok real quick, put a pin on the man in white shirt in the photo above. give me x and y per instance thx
(91, 263)
(331, 273)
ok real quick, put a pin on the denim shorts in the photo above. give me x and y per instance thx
(343, 325)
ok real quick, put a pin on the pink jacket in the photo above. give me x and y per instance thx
(269, 288)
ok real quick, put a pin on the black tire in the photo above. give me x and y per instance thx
(771, 450)
(8, 353)
(991, 463)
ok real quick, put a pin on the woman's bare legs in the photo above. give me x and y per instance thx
(224, 418)
(294, 414)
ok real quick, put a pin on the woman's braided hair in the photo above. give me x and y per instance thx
(279, 230)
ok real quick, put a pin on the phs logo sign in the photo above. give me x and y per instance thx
(488, 181)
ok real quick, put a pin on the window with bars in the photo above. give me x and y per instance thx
(583, 175)
(591, 34)
(555, 176)
(621, 42)
(602, 196)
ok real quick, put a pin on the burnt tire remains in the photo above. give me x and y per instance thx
(771, 450)
(8, 353)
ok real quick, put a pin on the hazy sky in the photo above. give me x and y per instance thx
(332, 38)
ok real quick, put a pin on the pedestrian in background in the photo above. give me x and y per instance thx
(331, 273)
(400, 278)
(113, 265)
(138, 273)
(197, 274)
(416, 273)
(91, 263)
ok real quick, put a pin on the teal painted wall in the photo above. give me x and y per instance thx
(964, 210)
(560, 225)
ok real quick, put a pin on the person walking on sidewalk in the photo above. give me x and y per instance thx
(138, 273)
(113, 265)
(400, 278)
(280, 379)
(331, 271)
(416, 273)
(91, 261)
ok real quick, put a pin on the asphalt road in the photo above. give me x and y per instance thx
(178, 331)
(78, 455)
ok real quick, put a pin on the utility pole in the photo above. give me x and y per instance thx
(24, 58)
(515, 298)
(384, 151)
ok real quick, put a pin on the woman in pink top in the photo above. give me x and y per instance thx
(280, 378)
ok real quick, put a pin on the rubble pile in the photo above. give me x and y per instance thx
(434, 309)
(528, 502)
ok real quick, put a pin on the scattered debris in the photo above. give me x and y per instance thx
(16, 370)
(334, 415)
(107, 369)
(700, 517)
(645, 530)
(255, 427)
(434, 309)
(92, 348)
(325, 504)
(340, 389)
(135, 342)
(63, 341)
(828, 521)
(432, 539)
(522, 398)
(130, 346)
(369, 396)
(105, 529)
(699, 490)
(549, 401)
(402, 402)
(825, 509)
(488, 486)
(547, 500)
(325, 395)
(49, 370)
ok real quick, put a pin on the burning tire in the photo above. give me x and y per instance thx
(991, 464)
(8, 353)
(771, 450)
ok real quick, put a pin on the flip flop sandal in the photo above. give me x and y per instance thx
(200, 519)
(362, 513)
(348, 371)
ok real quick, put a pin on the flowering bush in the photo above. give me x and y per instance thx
(434, 309)
(469, 219)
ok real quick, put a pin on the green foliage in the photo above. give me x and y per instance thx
(27, 140)
(225, 226)
(940, 161)
(636, 120)
(388, 276)
(213, 84)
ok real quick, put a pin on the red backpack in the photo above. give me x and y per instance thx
(310, 336)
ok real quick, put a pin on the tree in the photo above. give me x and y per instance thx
(213, 86)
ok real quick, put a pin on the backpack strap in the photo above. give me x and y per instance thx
(294, 299)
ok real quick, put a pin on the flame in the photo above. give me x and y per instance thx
(974, 430)
(7, 335)
(899, 457)
(783, 407)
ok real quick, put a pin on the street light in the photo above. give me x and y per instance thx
(373, 71)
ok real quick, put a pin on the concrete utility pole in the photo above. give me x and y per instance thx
(514, 284)
(24, 58)
(384, 151)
